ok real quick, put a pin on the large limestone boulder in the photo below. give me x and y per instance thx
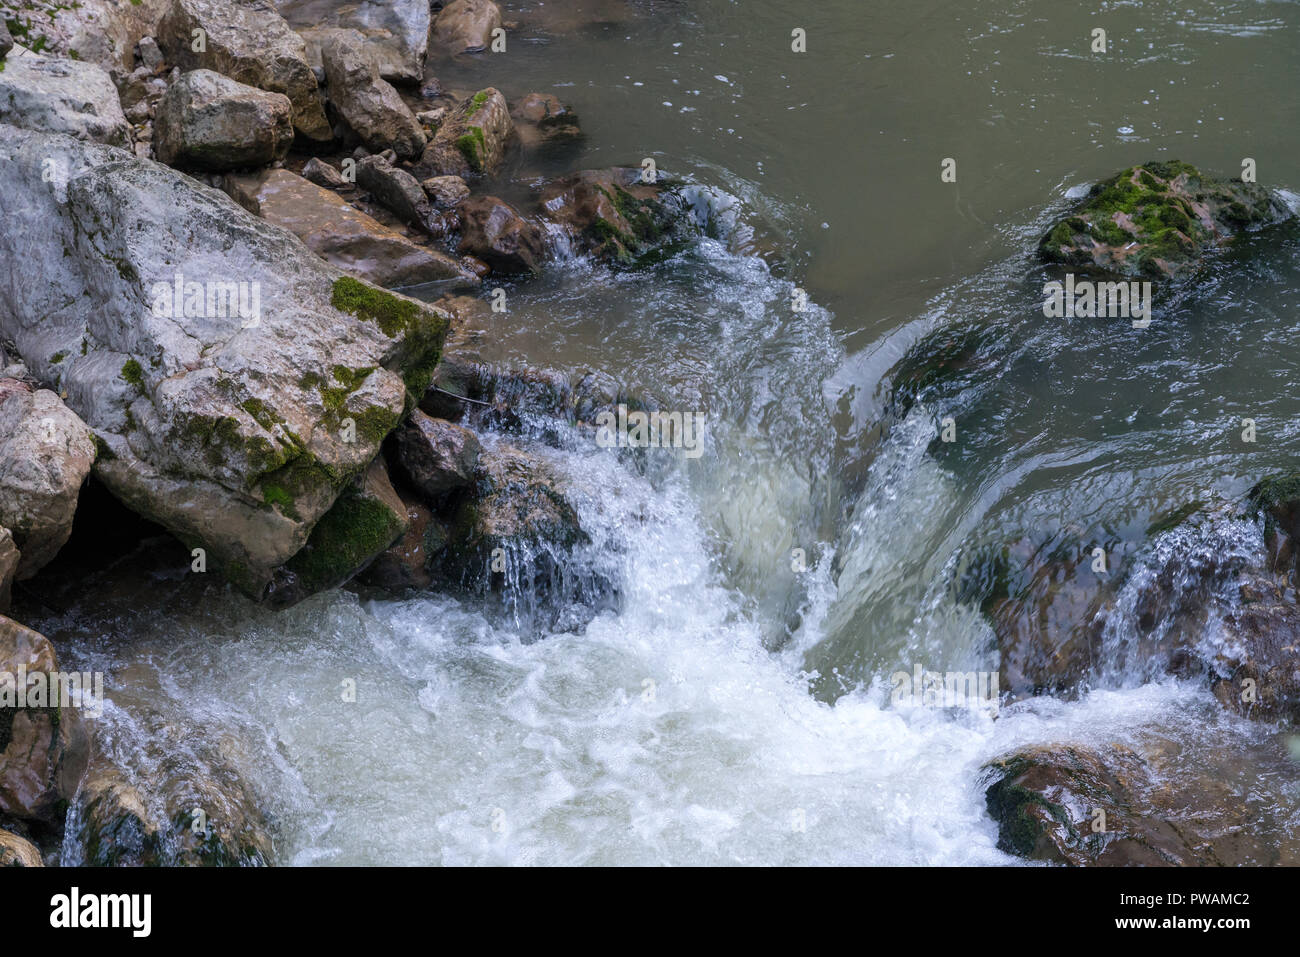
(251, 44)
(46, 452)
(232, 414)
(367, 103)
(465, 26)
(208, 121)
(340, 234)
(1157, 219)
(102, 32)
(473, 139)
(396, 32)
(43, 744)
(62, 96)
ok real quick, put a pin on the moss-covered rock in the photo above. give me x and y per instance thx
(1156, 219)
(612, 215)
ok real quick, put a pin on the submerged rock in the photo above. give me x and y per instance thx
(43, 747)
(1157, 219)
(492, 230)
(473, 139)
(46, 452)
(62, 96)
(1114, 806)
(251, 44)
(542, 118)
(396, 32)
(210, 122)
(612, 215)
(343, 236)
(179, 800)
(221, 413)
(465, 26)
(368, 104)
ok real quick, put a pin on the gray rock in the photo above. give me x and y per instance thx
(396, 32)
(62, 96)
(542, 118)
(46, 452)
(345, 237)
(9, 558)
(323, 174)
(436, 456)
(465, 26)
(6, 41)
(102, 32)
(395, 189)
(445, 191)
(150, 54)
(473, 139)
(222, 416)
(366, 102)
(208, 121)
(252, 45)
(493, 231)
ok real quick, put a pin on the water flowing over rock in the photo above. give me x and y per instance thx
(465, 26)
(368, 104)
(1048, 803)
(343, 236)
(210, 122)
(473, 139)
(612, 214)
(251, 44)
(1157, 219)
(396, 32)
(46, 452)
(62, 96)
(234, 412)
(43, 747)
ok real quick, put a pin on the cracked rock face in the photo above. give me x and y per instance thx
(62, 96)
(234, 412)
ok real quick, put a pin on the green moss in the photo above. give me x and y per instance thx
(473, 146)
(352, 532)
(102, 452)
(477, 102)
(393, 314)
(58, 357)
(133, 374)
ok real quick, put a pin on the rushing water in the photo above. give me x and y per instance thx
(735, 710)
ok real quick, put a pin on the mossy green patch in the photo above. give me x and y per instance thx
(133, 373)
(356, 529)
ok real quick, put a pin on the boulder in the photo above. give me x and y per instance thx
(473, 139)
(1255, 662)
(6, 41)
(251, 44)
(220, 410)
(436, 456)
(611, 215)
(465, 26)
(542, 118)
(445, 191)
(396, 32)
(321, 173)
(210, 122)
(1157, 219)
(368, 104)
(150, 54)
(102, 32)
(176, 798)
(395, 189)
(46, 452)
(43, 744)
(18, 852)
(62, 96)
(1161, 806)
(345, 237)
(367, 518)
(493, 231)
